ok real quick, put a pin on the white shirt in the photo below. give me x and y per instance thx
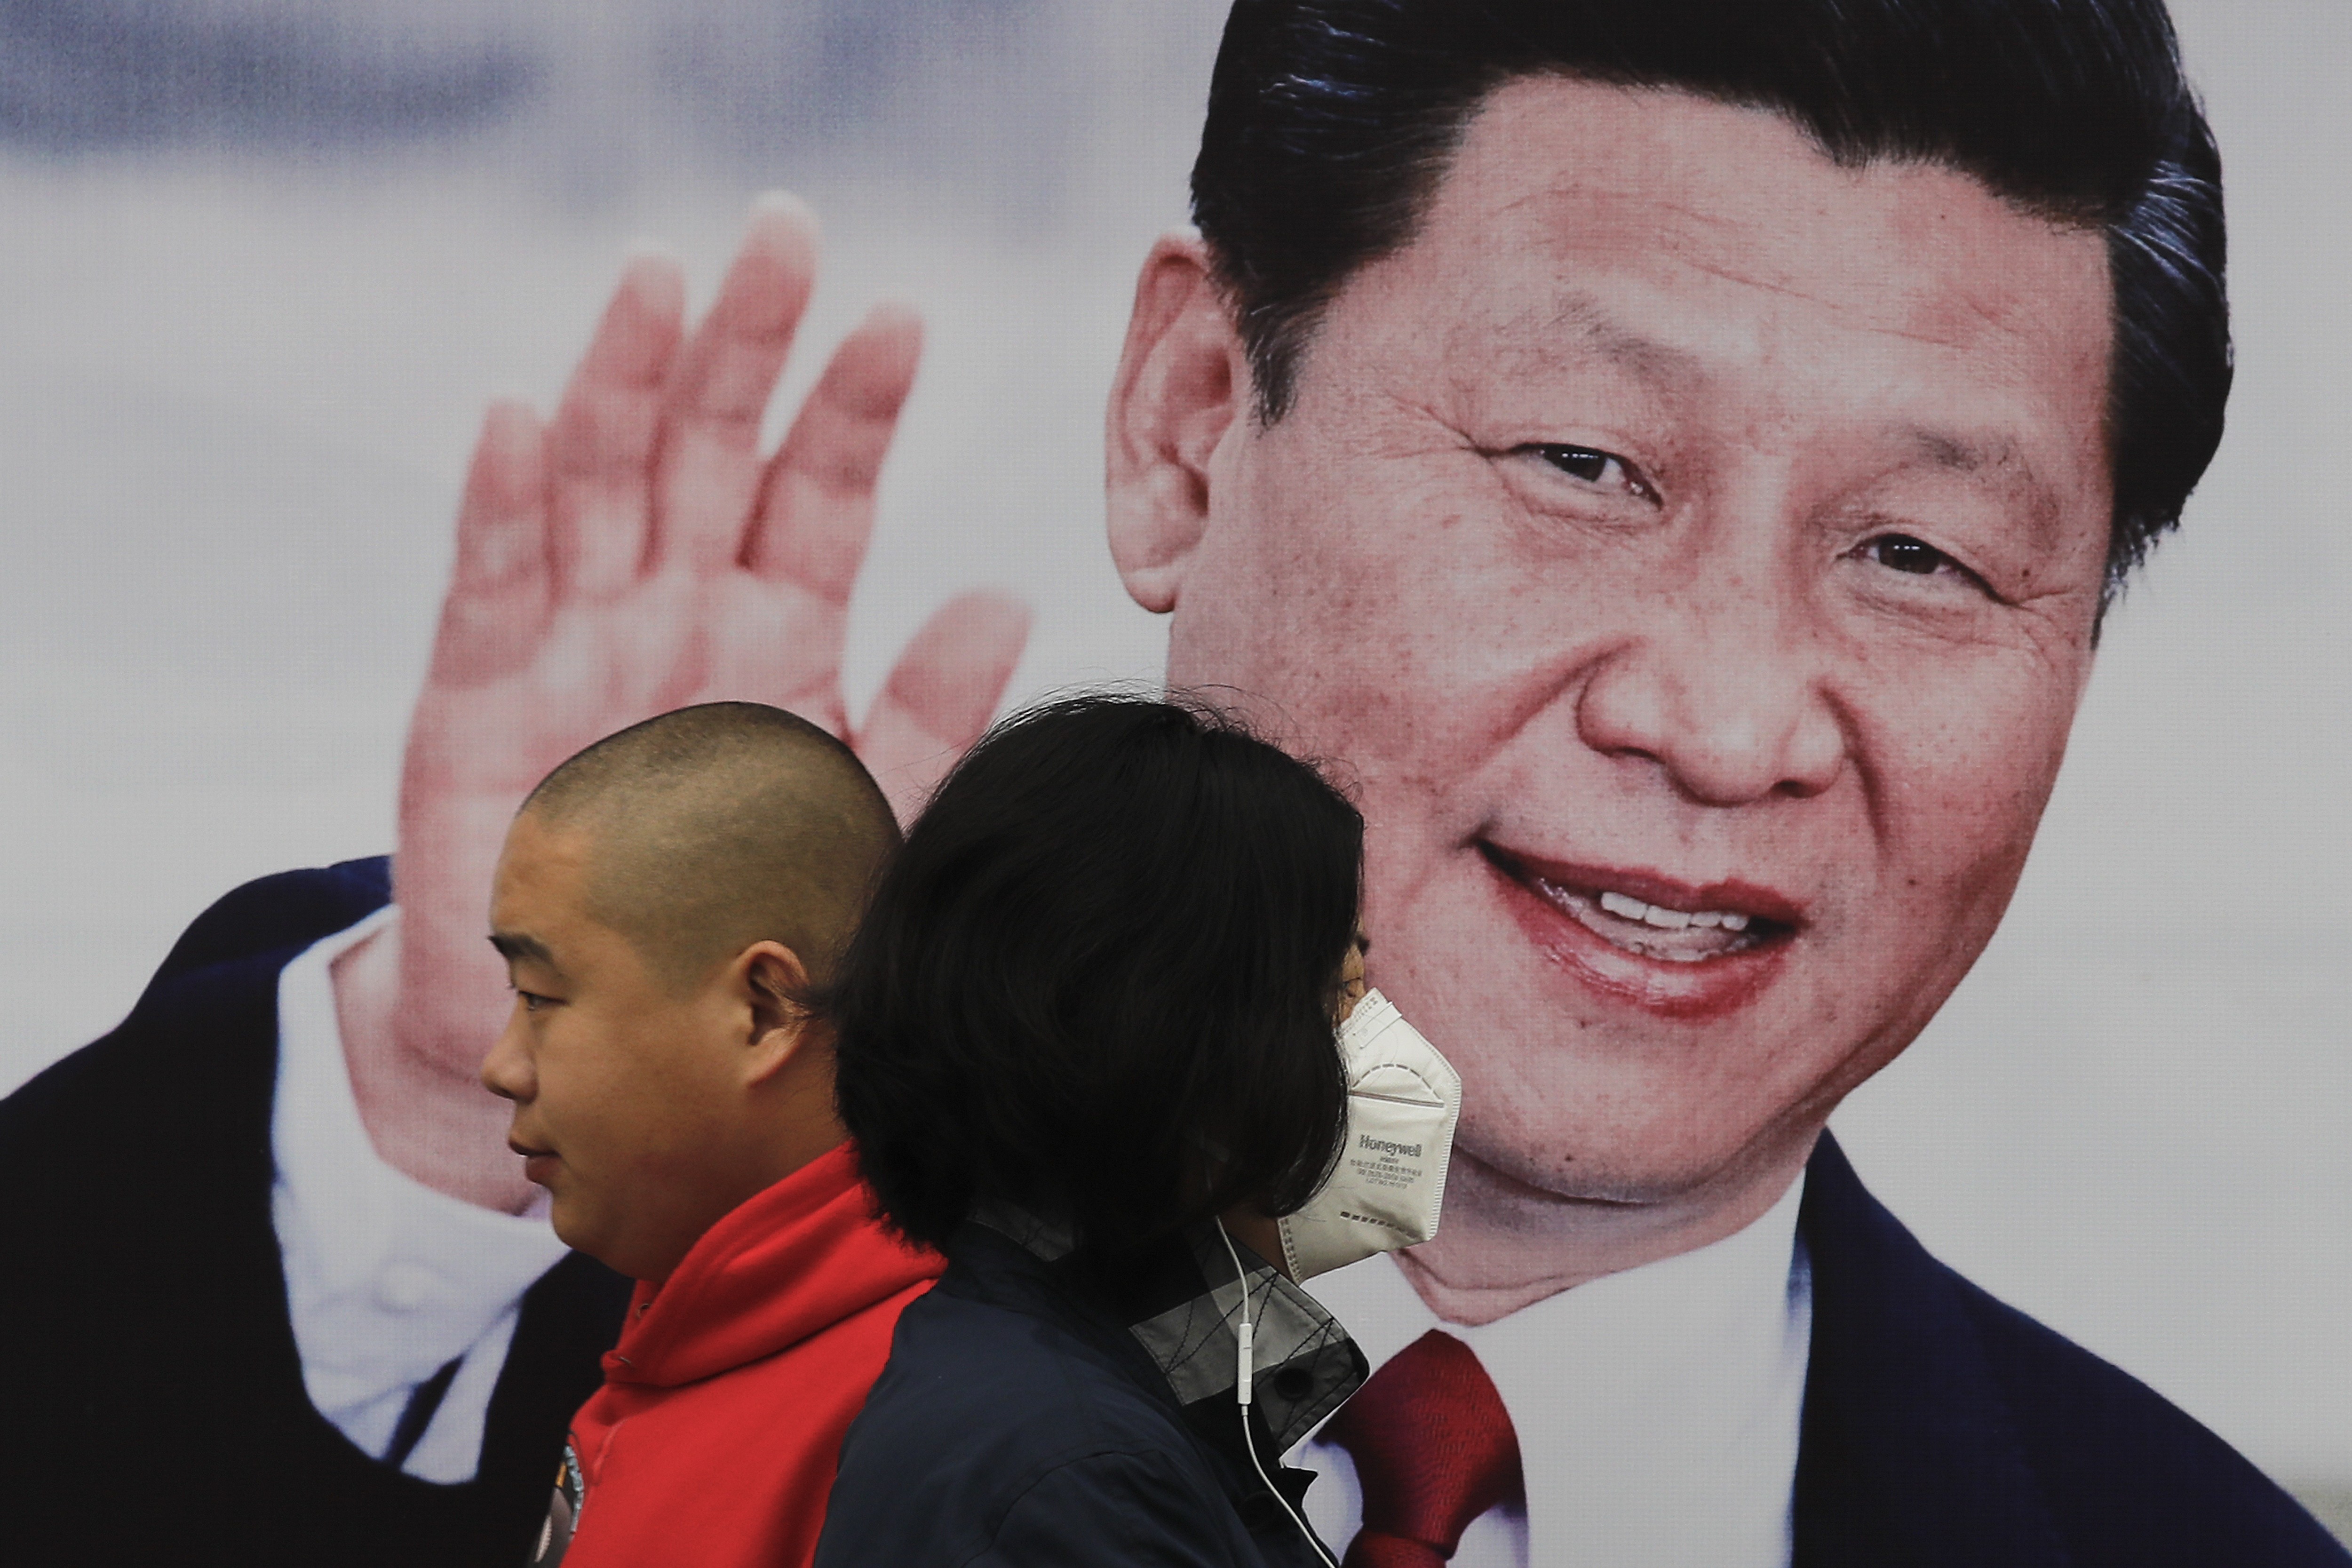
(387, 1280)
(1656, 1409)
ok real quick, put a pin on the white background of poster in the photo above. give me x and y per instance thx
(239, 371)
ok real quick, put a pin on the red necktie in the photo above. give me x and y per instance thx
(1433, 1449)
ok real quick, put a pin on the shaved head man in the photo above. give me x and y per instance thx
(665, 902)
(664, 898)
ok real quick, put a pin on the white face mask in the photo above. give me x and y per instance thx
(1403, 1100)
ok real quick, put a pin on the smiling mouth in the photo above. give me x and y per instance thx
(1696, 928)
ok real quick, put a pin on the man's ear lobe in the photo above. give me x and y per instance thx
(1182, 385)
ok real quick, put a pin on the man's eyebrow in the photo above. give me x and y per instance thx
(1992, 456)
(515, 945)
(1998, 458)
(1649, 358)
(1998, 462)
(1965, 454)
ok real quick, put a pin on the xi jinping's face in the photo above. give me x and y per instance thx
(1692, 548)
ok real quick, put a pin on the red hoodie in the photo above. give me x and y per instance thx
(714, 1439)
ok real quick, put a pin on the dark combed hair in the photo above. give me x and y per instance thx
(1098, 981)
(1331, 123)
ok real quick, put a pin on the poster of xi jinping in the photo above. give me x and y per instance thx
(1811, 531)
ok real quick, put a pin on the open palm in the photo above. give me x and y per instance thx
(638, 554)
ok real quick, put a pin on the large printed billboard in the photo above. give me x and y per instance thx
(271, 260)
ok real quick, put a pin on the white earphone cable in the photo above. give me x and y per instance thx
(1241, 1392)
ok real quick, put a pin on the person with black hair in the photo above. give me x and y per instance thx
(1086, 1039)
(1678, 455)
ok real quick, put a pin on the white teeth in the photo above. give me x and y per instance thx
(1664, 918)
(1606, 915)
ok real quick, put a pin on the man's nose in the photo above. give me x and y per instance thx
(505, 1071)
(1726, 695)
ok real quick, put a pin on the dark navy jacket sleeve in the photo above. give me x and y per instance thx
(155, 1408)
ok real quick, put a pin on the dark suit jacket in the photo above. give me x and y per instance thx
(153, 1408)
(1943, 1429)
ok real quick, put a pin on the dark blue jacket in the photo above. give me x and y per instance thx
(154, 1409)
(1018, 1424)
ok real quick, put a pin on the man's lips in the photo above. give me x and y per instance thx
(538, 1164)
(1677, 948)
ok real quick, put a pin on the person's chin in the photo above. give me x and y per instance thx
(1542, 1150)
(571, 1225)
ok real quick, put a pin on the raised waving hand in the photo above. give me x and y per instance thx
(636, 553)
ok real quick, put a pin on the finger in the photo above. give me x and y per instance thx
(498, 589)
(816, 510)
(708, 469)
(602, 438)
(941, 695)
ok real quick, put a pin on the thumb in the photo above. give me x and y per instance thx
(941, 694)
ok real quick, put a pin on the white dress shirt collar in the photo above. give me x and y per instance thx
(386, 1279)
(1657, 1409)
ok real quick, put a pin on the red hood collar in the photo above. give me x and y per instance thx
(797, 1257)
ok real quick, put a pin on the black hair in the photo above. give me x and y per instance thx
(1331, 123)
(1098, 981)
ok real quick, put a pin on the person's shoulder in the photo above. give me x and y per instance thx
(2123, 1467)
(991, 1419)
(202, 1035)
(1925, 1387)
(960, 1364)
(287, 910)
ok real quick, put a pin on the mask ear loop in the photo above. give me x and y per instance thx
(1243, 1369)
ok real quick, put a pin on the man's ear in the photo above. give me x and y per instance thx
(773, 980)
(1182, 385)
